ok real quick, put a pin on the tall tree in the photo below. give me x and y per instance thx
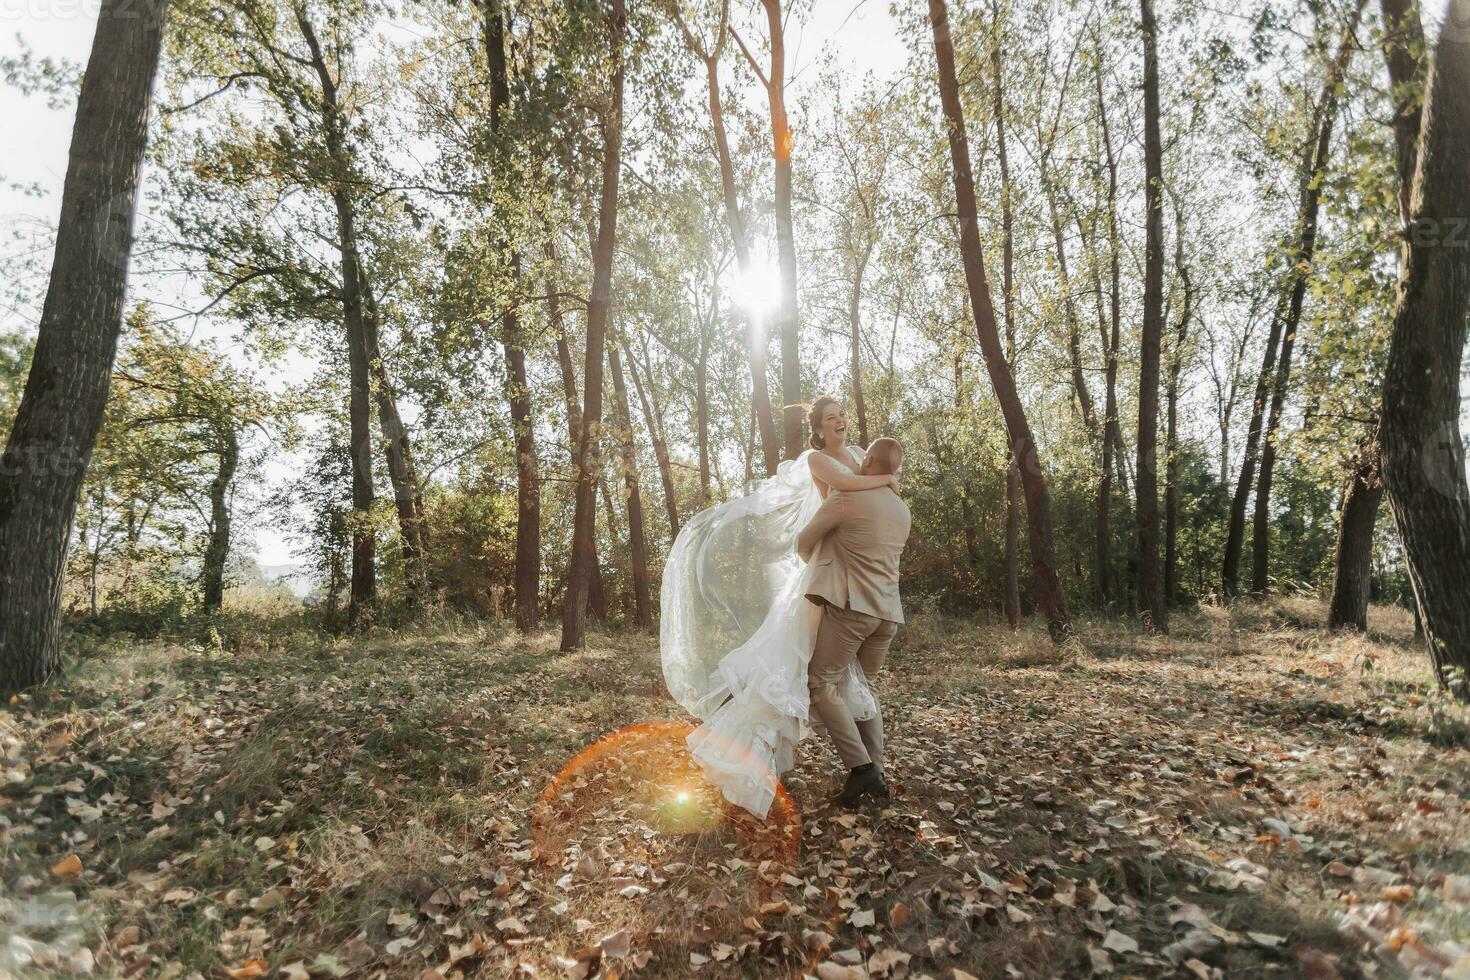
(1423, 453)
(584, 528)
(653, 418)
(1146, 510)
(782, 141)
(1301, 263)
(1293, 285)
(1012, 583)
(1403, 50)
(637, 542)
(1108, 331)
(527, 576)
(1171, 412)
(65, 395)
(1038, 505)
(755, 337)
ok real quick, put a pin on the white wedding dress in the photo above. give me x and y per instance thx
(738, 631)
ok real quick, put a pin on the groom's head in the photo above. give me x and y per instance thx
(885, 456)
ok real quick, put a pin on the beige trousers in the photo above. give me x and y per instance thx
(846, 635)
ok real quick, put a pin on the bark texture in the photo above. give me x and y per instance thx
(584, 529)
(65, 396)
(1038, 506)
(1423, 454)
(1146, 479)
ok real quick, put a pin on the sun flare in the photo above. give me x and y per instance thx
(757, 289)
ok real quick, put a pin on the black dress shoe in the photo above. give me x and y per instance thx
(863, 781)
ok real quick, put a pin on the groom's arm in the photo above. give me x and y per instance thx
(823, 522)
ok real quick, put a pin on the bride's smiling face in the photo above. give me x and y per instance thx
(834, 424)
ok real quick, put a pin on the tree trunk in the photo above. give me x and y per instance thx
(527, 574)
(1109, 335)
(1171, 432)
(701, 404)
(660, 447)
(597, 601)
(1423, 454)
(1300, 262)
(855, 323)
(755, 338)
(1069, 305)
(637, 544)
(584, 528)
(1146, 479)
(407, 498)
(1403, 47)
(787, 322)
(1353, 567)
(355, 314)
(1038, 507)
(1403, 50)
(217, 551)
(55, 427)
(1011, 586)
(1013, 544)
(967, 510)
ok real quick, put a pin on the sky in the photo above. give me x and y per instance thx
(861, 35)
(32, 168)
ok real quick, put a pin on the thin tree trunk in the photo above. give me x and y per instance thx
(1038, 507)
(755, 337)
(597, 602)
(584, 529)
(1014, 496)
(855, 324)
(660, 448)
(787, 321)
(355, 315)
(1171, 432)
(527, 574)
(1423, 453)
(398, 450)
(1069, 305)
(1353, 567)
(701, 403)
(637, 544)
(1108, 335)
(1146, 479)
(61, 411)
(1300, 262)
(1011, 586)
(217, 551)
(967, 510)
(1403, 49)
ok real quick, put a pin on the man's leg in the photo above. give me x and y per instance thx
(839, 637)
(871, 654)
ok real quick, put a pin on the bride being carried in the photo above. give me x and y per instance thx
(742, 612)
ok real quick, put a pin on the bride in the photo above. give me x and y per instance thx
(738, 629)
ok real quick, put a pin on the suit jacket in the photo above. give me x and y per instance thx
(861, 536)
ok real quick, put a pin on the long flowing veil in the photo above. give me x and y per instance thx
(737, 633)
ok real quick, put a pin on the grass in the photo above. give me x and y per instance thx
(381, 806)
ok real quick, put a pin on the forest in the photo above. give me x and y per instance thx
(372, 356)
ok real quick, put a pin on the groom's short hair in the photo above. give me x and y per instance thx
(885, 456)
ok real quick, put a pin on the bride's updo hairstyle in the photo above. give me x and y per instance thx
(814, 420)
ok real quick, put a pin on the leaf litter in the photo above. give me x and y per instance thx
(1234, 800)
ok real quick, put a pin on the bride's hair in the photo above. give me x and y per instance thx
(814, 419)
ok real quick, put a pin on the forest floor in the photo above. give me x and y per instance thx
(1246, 797)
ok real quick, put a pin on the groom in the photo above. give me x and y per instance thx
(855, 576)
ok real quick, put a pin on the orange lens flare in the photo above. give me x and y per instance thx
(647, 768)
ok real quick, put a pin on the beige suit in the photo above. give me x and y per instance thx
(854, 541)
